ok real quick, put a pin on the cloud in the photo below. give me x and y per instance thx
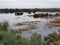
(29, 3)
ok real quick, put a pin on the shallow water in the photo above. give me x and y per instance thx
(41, 28)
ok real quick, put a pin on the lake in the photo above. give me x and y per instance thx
(26, 26)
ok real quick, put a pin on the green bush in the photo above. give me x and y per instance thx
(8, 38)
(53, 37)
(4, 26)
(36, 39)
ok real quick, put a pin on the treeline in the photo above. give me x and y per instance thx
(30, 10)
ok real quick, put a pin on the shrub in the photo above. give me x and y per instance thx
(53, 38)
(8, 38)
(34, 12)
(18, 13)
(4, 26)
(36, 39)
(29, 12)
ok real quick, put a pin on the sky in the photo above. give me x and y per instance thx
(29, 3)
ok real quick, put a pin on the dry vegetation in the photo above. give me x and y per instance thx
(46, 15)
(27, 22)
(55, 23)
(30, 26)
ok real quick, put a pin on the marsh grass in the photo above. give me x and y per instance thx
(10, 38)
(4, 26)
(55, 23)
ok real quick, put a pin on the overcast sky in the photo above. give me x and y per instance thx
(29, 3)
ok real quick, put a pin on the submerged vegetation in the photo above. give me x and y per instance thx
(10, 38)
